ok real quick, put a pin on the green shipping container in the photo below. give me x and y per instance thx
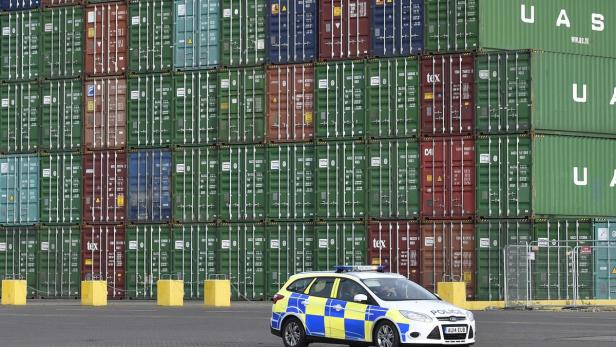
(150, 108)
(567, 26)
(20, 112)
(150, 36)
(339, 243)
(242, 183)
(291, 182)
(492, 236)
(196, 108)
(290, 250)
(241, 258)
(194, 256)
(59, 271)
(604, 255)
(554, 242)
(195, 184)
(546, 92)
(61, 115)
(393, 94)
(243, 32)
(20, 47)
(18, 256)
(197, 34)
(545, 175)
(148, 259)
(62, 42)
(393, 179)
(241, 105)
(340, 100)
(341, 180)
(60, 182)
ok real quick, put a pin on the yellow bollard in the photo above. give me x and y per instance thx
(217, 293)
(94, 293)
(170, 293)
(14, 292)
(452, 292)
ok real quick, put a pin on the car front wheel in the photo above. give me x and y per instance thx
(386, 335)
(293, 334)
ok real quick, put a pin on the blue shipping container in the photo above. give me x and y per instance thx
(197, 34)
(604, 254)
(19, 189)
(293, 30)
(18, 5)
(397, 27)
(149, 186)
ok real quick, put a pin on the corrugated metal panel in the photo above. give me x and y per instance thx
(106, 39)
(448, 254)
(291, 182)
(17, 5)
(61, 188)
(242, 183)
(393, 179)
(292, 31)
(196, 108)
(62, 42)
(50, 3)
(453, 25)
(395, 246)
(344, 29)
(241, 110)
(149, 185)
(197, 34)
(448, 178)
(150, 36)
(393, 95)
(290, 103)
(20, 113)
(341, 180)
(61, 115)
(397, 27)
(19, 189)
(149, 111)
(340, 100)
(339, 243)
(148, 259)
(241, 256)
(105, 114)
(104, 187)
(194, 256)
(243, 32)
(18, 256)
(195, 184)
(59, 267)
(20, 46)
(604, 260)
(102, 257)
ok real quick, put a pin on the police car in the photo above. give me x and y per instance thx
(364, 306)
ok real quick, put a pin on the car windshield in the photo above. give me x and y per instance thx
(397, 289)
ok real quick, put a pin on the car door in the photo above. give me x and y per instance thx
(346, 319)
(319, 292)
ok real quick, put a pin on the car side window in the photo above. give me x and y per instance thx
(348, 289)
(300, 285)
(322, 287)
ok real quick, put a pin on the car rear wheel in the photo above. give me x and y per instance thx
(386, 335)
(293, 334)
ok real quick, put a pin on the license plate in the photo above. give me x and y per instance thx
(455, 330)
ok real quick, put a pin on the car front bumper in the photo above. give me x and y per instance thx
(434, 334)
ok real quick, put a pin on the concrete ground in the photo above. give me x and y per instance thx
(130, 323)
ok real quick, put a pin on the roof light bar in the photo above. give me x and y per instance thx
(359, 268)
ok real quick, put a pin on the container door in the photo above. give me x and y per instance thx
(59, 262)
(344, 29)
(339, 244)
(604, 253)
(20, 111)
(61, 115)
(105, 115)
(62, 42)
(194, 256)
(60, 182)
(104, 187)
(19, 177)
(452, 25)
(196, 107)
(243, 32)
(106, 39)
(148, 259)
(102, 256)
(395, 246)
(149, 182)
(195, 180)
(149, 111)
(20, 44)
(151, 32)
(18, 256)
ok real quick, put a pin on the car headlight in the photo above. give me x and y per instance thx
(416, 316)
(470, 316)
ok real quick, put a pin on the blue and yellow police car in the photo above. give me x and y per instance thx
(361, 306)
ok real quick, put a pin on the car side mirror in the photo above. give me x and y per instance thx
(360, 298)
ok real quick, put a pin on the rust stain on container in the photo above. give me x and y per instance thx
(102, 256)
(344, 29)
(106, 39)
(290, 103)
(395, 245)
(104, 187)
(105, 113)
(448, 254)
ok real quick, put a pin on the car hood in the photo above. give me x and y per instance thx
(433, 308)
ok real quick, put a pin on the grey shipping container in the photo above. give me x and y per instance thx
(60, 181)
(18, 256)
(196, 108)
(150, 43)
(61, 115)
(20, 117)
(58, 265)
(19, 189)
(20, 46)
(62, 42)
(197, 34)
(195, 184)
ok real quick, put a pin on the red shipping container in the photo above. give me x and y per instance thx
(448, 254)
(106, 39)
(52, 3)
(447, 95)
(344, 29)
(105, 113)
(395, 245)
(290, 103)
(447, 178)
(104, 187)
(102, 256)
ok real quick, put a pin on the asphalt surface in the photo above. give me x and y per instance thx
(130, 323)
